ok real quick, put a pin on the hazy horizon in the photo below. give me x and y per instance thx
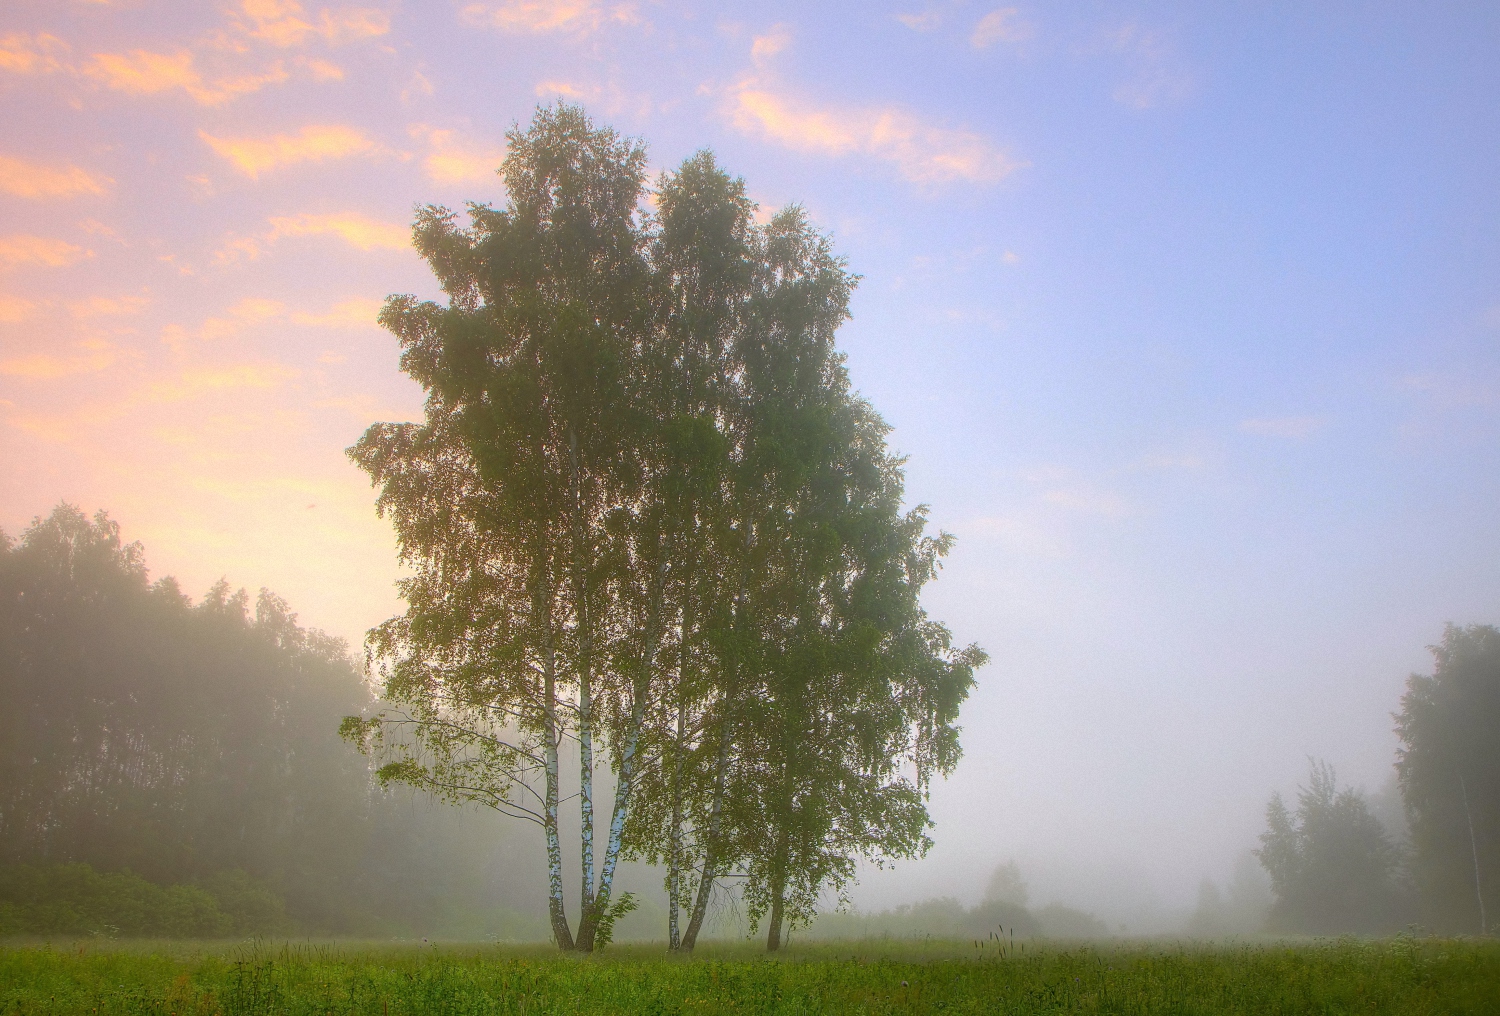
(1188, 321)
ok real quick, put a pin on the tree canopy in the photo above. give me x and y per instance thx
(191, 745)
(1332, 866)
(649, 521)
(1449, 767)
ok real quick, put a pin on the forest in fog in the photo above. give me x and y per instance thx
(172, 767)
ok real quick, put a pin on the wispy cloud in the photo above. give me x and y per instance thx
(141, 72)
(229, 324)
(14, 308)
(1296, 427)
(565, 89)
(314, 143)
(456, 159)
(924, 22)
(355, 229)
(1156, 74)
(356, 313)
(284, 23)
(921, 151)
(110, 306)
(26, 249)
(536, 16)
(1002, 25)
(34, 180)
(764, 47)
(195, 382)
(95, 355)
(26, 54)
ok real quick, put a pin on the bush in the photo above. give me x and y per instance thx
(74, 899)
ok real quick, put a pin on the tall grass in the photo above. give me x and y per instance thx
(1401, 975)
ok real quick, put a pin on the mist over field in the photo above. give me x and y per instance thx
(1184, 324)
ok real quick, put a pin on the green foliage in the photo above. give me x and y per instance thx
(646, 514)
(1332, 867)
(194, 745)
(1391, 978)
(1449, 768)
(74, 899)
(615, 910)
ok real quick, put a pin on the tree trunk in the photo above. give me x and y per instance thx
(588, 925)
(773, 937)
(587, 916)
(555, 903)
(1474, 849)
(713, 843)
(674, 849)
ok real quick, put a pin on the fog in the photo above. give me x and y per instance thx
(1186, 322)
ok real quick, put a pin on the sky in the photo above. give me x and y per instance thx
(1187, 317)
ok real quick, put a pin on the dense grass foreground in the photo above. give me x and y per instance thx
(1394, 976)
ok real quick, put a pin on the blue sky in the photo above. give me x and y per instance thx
(1187, 316)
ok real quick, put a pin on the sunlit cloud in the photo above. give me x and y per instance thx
(33, 180)
(283, 23)
(1283, 426)
(246, 312)
(454, 159)
(141, 72)
(537, 16)
(195, 382)
(109, 306)
(1003, 25)
(564, 89)
(315, 143)
(96, 355)
(354, 229)
(25, 54)
(25, 249)
(356, 313)
(764, 47)
(921, 151)
(324, 70)
(417, 84)
(14, 308)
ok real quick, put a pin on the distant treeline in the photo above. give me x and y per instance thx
(170, 767)
(1336, 867)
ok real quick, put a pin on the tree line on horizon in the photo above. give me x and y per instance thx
(171, 768)
(1336, 867)
(651, 526)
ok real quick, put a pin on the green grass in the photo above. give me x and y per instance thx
(1401, 975)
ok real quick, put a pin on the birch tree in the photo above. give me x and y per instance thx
(514, 501)
(647, 518)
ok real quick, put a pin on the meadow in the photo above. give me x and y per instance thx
(1401, 975)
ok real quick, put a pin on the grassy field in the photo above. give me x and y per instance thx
(176, 979)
